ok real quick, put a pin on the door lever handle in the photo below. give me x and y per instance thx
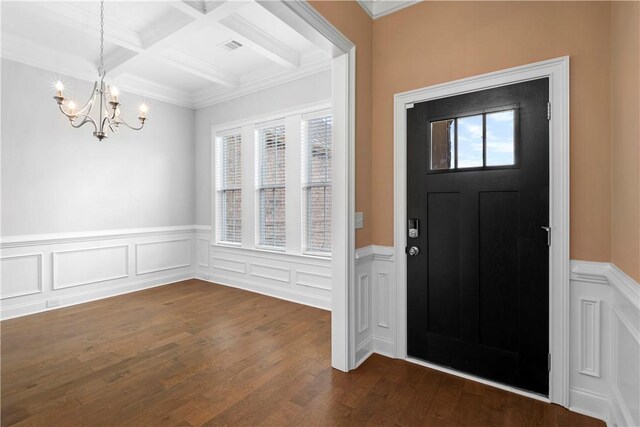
(548, 230)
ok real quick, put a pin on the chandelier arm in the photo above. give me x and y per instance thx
(123, 122)
(89, 105)
(85, 119)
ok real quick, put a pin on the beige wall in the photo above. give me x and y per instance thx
(625, 137)
(357, 26)
(436, 42)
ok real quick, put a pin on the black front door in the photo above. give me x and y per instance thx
(478, 273)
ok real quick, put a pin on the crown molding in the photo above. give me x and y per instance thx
(379, 8)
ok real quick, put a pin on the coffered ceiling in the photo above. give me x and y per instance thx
(191, 53)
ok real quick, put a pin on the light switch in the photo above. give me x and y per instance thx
(359, 220)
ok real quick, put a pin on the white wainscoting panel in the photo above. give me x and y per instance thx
(264, 271)
(78, 267)
(203, 252)
(44, 272)
(363, 302)
(589, 348)
(228, 264)
(162, 255)
(378, 304)
(313, 280)
(625, 332)
(604, 379)
(21, 275)
(382, 308)
(298, 278)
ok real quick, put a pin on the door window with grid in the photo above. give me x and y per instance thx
(271, 187)
(229, 155)
(316, 183)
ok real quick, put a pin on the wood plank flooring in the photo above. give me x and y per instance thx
(193, 353)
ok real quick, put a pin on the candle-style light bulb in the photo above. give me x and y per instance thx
(144, 109)
(72, 107)
(59, 87)
(114, 93)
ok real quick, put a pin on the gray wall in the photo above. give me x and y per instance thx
(58, 179)
(308, 90)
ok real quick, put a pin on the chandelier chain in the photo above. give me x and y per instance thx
(101, 70)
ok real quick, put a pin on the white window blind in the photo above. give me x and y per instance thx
(316, 183)
(271, 186)
(229, 183)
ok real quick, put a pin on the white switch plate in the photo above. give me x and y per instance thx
(359, 220)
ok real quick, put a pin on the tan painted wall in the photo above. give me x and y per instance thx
(625, 137)
(436, 42)
(357, 26)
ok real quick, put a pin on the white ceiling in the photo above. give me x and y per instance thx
(167, 50)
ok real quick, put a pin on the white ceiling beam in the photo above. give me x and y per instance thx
(261, 42)
(77, 18)
(297, 21)
(184, 61)
(62, 65)
(194, 9)
(162, 39)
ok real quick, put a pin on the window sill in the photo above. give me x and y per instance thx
(228, 244)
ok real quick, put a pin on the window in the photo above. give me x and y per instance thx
(271, 186)
(229, 182)
(316, 183)
(484, 140)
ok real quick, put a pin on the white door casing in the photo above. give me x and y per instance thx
(557, 70)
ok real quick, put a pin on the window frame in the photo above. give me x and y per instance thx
(250, 209)
(260, 187)
(220, 188)
(483, 113)
(306, 183)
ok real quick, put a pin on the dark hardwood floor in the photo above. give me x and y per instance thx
(193, 353)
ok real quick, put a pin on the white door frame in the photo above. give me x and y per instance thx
(312, 25)
(557, 70)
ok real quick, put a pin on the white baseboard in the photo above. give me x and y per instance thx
(384, 347)
(268, 290)
(588, 403)
(363, 351)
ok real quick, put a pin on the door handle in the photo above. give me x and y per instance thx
(414, 250)
(548, 230)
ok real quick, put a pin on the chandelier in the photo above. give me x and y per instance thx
(108, 112)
